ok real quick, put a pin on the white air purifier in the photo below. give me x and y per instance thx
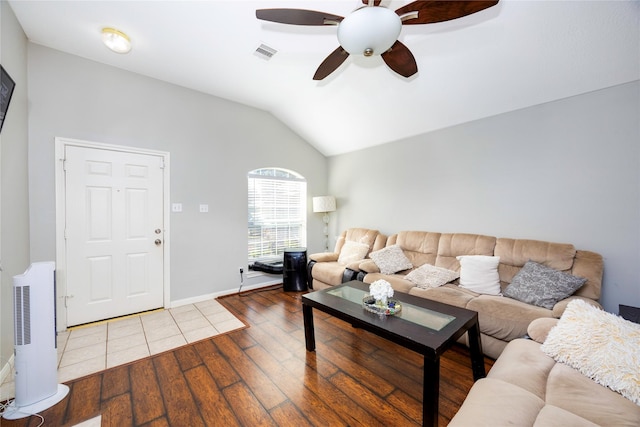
(36, 359)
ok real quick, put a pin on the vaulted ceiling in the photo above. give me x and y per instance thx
(510, 56)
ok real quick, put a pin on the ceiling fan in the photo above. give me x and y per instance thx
(373, 29)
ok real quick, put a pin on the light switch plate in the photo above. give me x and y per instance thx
(176, 207)
(204, 208)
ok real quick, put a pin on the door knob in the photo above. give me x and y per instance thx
(158, 242)
(158, 231)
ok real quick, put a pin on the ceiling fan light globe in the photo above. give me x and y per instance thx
(370, 29)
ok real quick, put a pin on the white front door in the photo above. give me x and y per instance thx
(114, 233)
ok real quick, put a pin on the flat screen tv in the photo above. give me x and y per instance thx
(6, 90)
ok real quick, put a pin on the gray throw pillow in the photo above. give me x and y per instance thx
(543, 286)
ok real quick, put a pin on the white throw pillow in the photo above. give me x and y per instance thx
(352, 251)
(479, 273)
(600, 345)
(391, 259)
(429, 276)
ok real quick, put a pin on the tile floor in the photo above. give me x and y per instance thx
(88, 349)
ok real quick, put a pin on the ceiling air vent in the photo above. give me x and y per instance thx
(265, 52)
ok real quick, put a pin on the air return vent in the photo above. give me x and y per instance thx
(265, 52)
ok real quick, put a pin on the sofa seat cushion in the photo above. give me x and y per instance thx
(505, 318)
(328, 272)
(574, 392)
(524, 365)
(551, 416)
(493, 402)
(525, 387)
(397, 281)
(448, 294)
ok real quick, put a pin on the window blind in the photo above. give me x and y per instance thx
(277, 212)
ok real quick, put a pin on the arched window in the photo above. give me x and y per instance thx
(277, 212)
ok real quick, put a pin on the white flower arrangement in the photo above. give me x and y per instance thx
(381, 290)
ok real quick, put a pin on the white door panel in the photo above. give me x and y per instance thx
(114, 205)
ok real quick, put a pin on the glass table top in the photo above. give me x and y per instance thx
(411, 313)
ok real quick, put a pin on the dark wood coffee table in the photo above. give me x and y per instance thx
(424, 326)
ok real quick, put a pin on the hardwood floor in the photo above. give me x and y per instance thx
(263, 376)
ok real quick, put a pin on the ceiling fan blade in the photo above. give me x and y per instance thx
(430, 11)
(331, 63)
(400, 59)
(298, 16)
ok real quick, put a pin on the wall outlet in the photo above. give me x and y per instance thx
(204, 208)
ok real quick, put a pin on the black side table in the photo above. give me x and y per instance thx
(629, 313)
(294, 274)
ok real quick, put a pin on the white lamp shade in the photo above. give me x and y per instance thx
(324, 204)
(369, 28)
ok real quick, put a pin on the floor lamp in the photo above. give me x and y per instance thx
(325, 204)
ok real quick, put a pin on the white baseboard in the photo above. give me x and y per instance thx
(7, 369)
(214, 295)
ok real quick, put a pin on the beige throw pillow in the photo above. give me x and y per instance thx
(352, 251)
(391, 259)
(429, 276)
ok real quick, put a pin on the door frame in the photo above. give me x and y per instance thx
(61, 258)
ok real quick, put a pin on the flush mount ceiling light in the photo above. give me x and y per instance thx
(116, 40)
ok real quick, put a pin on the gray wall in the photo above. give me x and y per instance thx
(566, 171)
(213, 144)
(14, 210)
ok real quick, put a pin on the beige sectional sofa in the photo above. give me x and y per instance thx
(526, 387)
(502, 319)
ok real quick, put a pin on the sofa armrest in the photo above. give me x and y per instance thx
(369, 266)
(354, 266)
(539, 328)
(324, 257)
(558, 309)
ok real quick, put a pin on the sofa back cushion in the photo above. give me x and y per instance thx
(452, 245)
(352, 252)
(514, 253)
(420, 247)
(589, 265)
(373, 238)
